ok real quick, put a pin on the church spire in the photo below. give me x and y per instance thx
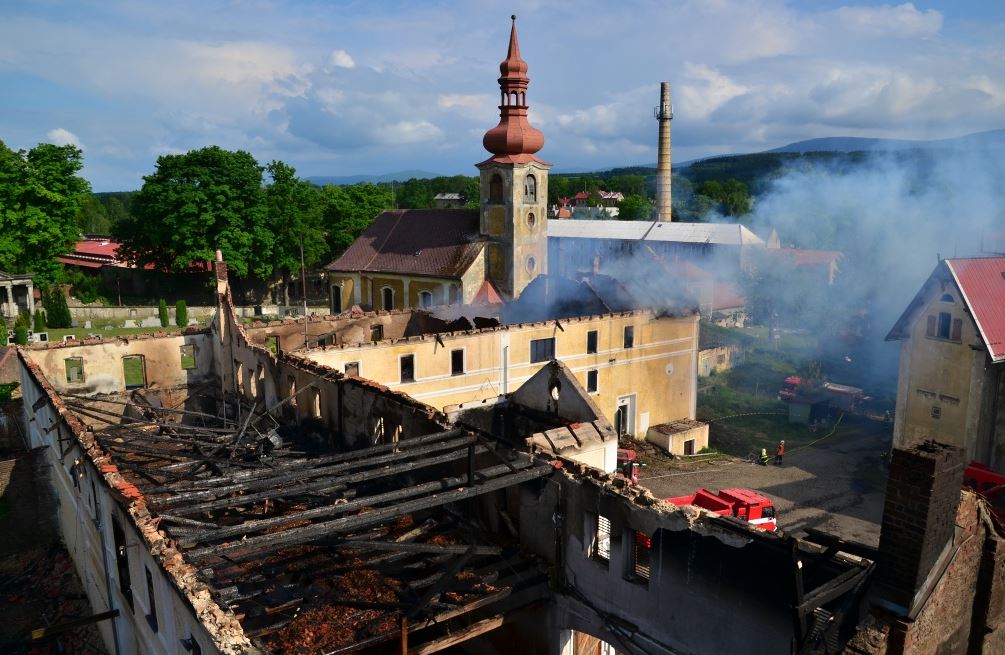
(513, 140)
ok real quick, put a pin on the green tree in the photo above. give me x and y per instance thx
(634, 208)
(40, 196)
(92, 217)
(162, 313)
(21, 334)
(195, 203)
(181, 314)
(348, 210)
(3, 330)
(38, 323)
(57, 312)
(293, 207)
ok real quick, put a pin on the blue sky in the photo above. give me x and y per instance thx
(338, 88)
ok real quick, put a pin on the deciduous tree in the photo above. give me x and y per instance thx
(293, 207)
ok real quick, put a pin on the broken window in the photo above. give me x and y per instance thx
(936, 411)
(425, 299)
(272, 343)
(457, 362)
(376, 332)
(352, 368)
(542, 350)
(151, 600)
(74, 369)
(188, 356)
(122, 561)
(408, 368)
(602, 541)
(944, 326)
(641, 552)
(629, 336)
(591, 381)
(387, 298)
(591, 342)
(316, 403)
(291, 383)
(689, 447)
(336, 299)
(134, 372)
(530, 189)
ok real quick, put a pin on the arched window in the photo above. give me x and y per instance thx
(387, 298)
(496, 189)
(947, 298)
(514, 99)
(425, 299)
(530, 188)
(523, 98)
(336, 299)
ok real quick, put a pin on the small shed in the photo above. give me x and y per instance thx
(809, 408)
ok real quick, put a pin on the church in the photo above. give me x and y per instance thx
(425, 257)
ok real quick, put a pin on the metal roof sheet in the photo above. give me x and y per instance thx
(982, 283)
(726, 234)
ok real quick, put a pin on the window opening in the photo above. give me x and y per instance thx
(641, 551)
(947, 298)
(455, 294)
(151, 600)
(134, 372)
(387, 295)
(591, 342)
(457, 362)
(122, 562)
(336, 299)
(187, 356)
(376, 332)
(408, 368)
(591, 381)
(496, 189)
(352, 368)
(291, 385)
(542, 350)
(530, 189)
(629, 336)
(945, 323)
(74, 369)
(689, 447)
(602, 542)
(425, 299)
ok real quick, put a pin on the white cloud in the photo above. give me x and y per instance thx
(341, 59)
(404, 132)
(63, 137)
(889, 20)
(705, 89)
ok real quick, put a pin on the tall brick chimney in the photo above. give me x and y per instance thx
(919, 517)
(664, 114)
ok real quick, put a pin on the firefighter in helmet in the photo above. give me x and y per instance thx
(763, 459)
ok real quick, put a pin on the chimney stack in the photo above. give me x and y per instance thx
(664, 114)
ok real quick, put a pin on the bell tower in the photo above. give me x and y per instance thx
(514, 185)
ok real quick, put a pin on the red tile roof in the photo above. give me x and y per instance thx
(429, 242)
(982, 283)
(487, 295)
(805, 257)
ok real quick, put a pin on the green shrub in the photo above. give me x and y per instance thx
(39, 322)
(162, 311)
(57, 313)
(21, 334)
(7, 391)
(3, 330)
(181, 314)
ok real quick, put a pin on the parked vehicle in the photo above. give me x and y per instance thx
(842, 397)
(989, 484)
(628, 465)
(746, 504)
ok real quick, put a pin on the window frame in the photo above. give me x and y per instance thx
(593, 380)
(385, 299)
(423, 295)
(66, 370)
(640, 568)
(356, 364)
(530, 188)
(151, 600)
(454, 370)
(410, 358)
(193, 355)
(629, 337)
(143, 370)
(537, 357)
(592, 342)
(598, 551)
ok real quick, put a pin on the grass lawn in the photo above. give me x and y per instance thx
(57, 334)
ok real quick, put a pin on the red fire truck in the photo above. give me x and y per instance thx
(989, 484)
(628, 465)
(843, 398)
(745, 504)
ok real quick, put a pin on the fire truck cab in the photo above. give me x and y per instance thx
(628, 465)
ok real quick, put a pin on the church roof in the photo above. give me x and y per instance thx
(426, 242)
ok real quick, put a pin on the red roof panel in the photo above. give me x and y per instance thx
(982, 282)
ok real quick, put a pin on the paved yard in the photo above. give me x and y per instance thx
(835, 484)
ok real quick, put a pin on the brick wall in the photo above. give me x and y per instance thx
(922, 497)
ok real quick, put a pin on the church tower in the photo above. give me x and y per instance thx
(514, 185)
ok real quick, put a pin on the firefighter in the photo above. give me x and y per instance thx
(779, 452)
(763, 459)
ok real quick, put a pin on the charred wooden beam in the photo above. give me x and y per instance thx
(441, 583)
(407, 547)
(316, 531)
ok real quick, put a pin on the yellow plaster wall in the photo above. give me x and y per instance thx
(348, 285)
(377, 285)
(938, 371)
(661, 345)
(418, 285)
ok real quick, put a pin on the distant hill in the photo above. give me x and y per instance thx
(400, 176)
(988, 139)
